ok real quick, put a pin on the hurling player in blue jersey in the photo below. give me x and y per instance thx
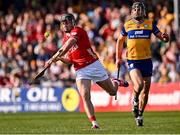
(138, 31)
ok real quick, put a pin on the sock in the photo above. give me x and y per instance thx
(92, 118)
(136, 99)
(141, 112)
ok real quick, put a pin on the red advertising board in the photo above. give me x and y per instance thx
(164, 97)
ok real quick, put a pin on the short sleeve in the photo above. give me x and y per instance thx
(155, 29)
(123, 31)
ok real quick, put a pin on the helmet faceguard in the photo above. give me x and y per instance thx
(141, 6)
(68, 17)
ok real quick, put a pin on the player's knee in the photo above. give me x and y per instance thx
(85, 95)
(139, 86)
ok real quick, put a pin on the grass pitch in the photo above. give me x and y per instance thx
(77, 123)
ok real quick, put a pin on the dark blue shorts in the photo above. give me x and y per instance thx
(145, 66)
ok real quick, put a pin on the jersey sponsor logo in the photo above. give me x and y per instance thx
(138, 32)
(138, 36)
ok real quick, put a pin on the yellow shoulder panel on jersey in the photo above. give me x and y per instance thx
(130, 25)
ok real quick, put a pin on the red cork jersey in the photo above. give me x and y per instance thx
(81, 53)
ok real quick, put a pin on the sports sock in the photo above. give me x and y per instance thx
(141, 112)
(92, 118)
(135, 99)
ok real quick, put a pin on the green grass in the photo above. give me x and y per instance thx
(77, 123)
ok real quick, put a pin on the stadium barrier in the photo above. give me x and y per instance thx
(49, 99)
(162, 97)
(39, 99)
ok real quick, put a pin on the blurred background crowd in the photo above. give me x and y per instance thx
(24, 50)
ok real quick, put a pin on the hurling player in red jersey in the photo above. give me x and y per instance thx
(77, 50)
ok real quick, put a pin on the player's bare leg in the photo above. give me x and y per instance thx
(111, 86)
(84, 87)
(143, 98)
(138, 84)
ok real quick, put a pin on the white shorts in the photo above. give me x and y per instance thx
(95, 72)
